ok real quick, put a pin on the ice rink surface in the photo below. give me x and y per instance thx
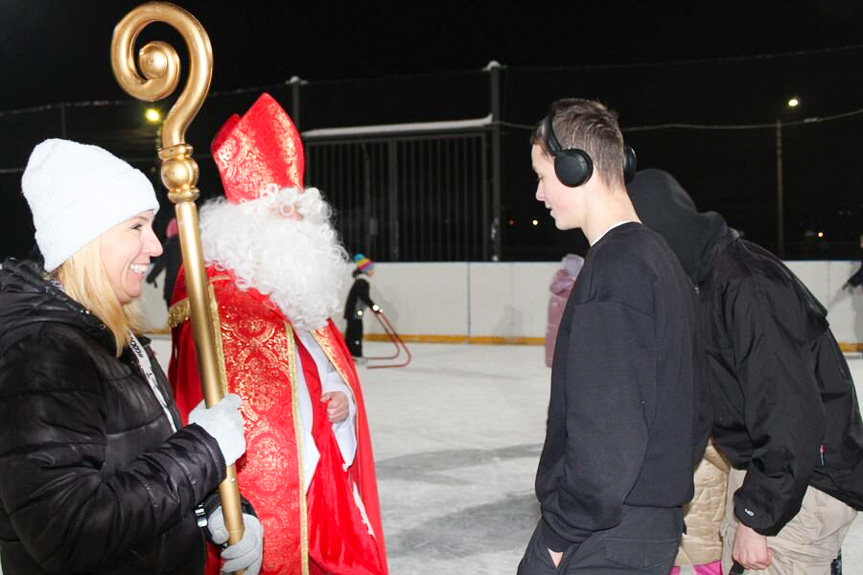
(457, 436)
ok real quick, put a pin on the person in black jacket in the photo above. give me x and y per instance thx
(622, 435)
(358, 300)
(170, 261)
(785, 410)
(856, 278)
(97, 473)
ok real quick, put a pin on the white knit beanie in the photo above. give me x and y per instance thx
(76, 192)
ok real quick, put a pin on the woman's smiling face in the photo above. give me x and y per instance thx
(126, 251)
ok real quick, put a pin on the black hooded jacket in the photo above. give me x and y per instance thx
(92, 478)
(784, 403)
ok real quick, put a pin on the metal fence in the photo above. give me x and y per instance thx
(416, 195)
(410, 184)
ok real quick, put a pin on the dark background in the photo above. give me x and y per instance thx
(699, 88)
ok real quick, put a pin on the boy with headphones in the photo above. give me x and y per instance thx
(623, 429)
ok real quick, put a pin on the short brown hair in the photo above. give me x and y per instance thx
(590, 126)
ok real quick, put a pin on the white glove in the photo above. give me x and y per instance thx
(248, 552)
(225, 423)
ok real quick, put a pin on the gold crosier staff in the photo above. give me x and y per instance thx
(160, 64)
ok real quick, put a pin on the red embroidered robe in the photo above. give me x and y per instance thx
(322, 532)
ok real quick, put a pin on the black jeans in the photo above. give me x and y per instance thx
(645, 541)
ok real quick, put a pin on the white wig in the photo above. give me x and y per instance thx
(299, 264)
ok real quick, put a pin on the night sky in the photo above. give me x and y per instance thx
(55, 51)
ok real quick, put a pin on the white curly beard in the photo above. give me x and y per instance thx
(299, 264)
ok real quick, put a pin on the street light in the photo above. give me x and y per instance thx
(153, 115)
(792, 102)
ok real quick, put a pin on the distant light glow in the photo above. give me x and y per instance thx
(820, 234)
(793, 102)
(511, 222)
(153, 115)
(535, 222)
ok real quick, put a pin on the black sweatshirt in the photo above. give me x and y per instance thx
(623, 420)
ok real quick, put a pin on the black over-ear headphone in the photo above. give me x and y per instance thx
(573, 167)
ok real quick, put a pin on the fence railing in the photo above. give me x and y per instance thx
(413, 192)
(409, 186)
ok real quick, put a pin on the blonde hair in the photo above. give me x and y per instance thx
(84, 280)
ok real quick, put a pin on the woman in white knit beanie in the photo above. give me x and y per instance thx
(97, 472)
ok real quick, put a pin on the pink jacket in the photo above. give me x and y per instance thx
(561, 286)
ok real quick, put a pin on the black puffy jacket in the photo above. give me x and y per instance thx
(785, 407)
(92, 478)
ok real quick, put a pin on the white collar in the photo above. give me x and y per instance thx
(620, 223)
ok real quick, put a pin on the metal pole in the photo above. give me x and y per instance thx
(780, 202)
(494, 68)
(488, 230)
(393, 174)
(63, 120)
(369, 216)
(296, 83)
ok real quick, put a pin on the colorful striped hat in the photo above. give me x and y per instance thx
(364, 264)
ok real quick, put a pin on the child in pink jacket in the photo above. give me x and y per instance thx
(561, 285)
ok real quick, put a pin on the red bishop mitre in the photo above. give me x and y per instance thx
(257, 150)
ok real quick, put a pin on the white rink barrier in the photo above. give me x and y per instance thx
(507, 302)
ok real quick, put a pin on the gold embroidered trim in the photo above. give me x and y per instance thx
(304, 527)
(321, 337)
(179, 313)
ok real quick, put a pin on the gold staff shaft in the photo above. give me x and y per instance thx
(159, 63)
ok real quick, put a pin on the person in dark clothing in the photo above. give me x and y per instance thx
(171, 260)
(97, 473)
(622, 434)
(35, 256)
(856, 278)
(358, 300)
(785, 410)
(560, 288)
